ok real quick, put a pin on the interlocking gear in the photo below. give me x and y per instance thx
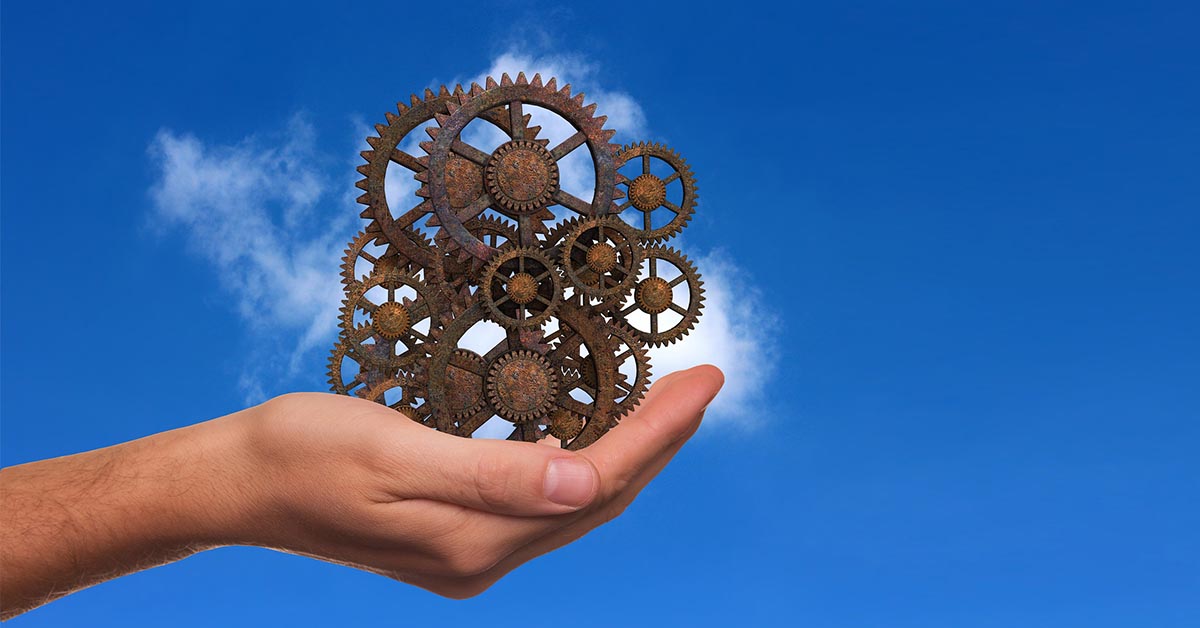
(579, 300)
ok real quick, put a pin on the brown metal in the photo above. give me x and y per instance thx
(570, 294)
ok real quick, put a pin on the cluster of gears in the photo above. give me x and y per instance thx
(580, 296)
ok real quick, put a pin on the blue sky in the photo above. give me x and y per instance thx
(973, 227)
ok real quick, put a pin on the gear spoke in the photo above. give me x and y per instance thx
(464, 149)
(670, 179)
(675, 307)
(676, 281)
(645, 164)
(572, 202)
(516, 120)
(406, 160)
(568, 145)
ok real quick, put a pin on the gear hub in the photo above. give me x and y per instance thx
(602, 257)
(653, 295)
(647, 192)
(391, 320)
(522, 288)
(521, 386)
(565, 425)
(522, 176)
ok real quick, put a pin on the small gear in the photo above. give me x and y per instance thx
(357, 250)
(654, 296)
(647, 193)
(565, 425)
(404, 402)
(601, 257)
(391, 336)
(521, 386)
(521, 288)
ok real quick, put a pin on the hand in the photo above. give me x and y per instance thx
(336, 478)
(344, 480)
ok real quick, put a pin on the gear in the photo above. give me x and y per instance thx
(393, 323)
(565, 425)
(601, 257)
(463, 176)
(501, 254)
(403, 404)
(539, 185)
(522, 177)
(357, 249)
(521, 288)
(647, 193)
(655, 295)
(521, 386)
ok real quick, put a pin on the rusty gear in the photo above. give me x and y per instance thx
(646, 193)
(500, 254)
(507, 99)
(601, 257)
(521, 386)
(655, 295)
(521, 288)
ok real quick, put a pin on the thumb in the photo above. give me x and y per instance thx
(505, 477)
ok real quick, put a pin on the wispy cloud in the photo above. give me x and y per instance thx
(262, 213)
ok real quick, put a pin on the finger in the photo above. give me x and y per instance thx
(671, 411)
(505, 477)
(550, 534)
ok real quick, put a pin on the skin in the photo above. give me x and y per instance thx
(335, 478)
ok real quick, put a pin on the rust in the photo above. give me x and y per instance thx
(569, 293)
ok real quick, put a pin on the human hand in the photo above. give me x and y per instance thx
(352, 482)
(336, 478)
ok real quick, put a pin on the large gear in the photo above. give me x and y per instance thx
(523, 173)
(579, 301)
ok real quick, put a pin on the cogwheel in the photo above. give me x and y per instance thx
(393, 325)
(655, 295)
(628, 346)
(356, 249)
(601, 257)
(521, 288)
(463, 175)
(465, 384)
(647, 193)
(525, 176)
(338, 358)
(521, 386)
(565, 425)
(403, 404)
(461, 267)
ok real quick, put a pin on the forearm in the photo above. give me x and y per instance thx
(71, 522)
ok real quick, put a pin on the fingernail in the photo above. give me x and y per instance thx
(570, 482)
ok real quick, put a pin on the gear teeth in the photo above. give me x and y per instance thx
(443, 92)
(390, 117)
(426, 146)
(441, 118)
(364, 199)
(367, 155)
(423, 191)
(458, 90)
(505, 81)
(429, 95)
(537, 80)
(432, 131)
(578, 100)
(521, 79)
(490, 83)
(565, 92)
(423, 160)
(362, 169)
(361, 184)
(375, 142)
(452, 106)
(422, 176)
(414, 100)
(552, 84)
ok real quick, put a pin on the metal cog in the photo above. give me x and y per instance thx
(521, 288)
(654, 295)
(385, 150)
(392, 321)
(378, 393)
(521, 386)
(647, 193)
(537, 184)
(601, 257)
(356, 249)
(461, 267)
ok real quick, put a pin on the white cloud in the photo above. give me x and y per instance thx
(253, 210)
(261, 212)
